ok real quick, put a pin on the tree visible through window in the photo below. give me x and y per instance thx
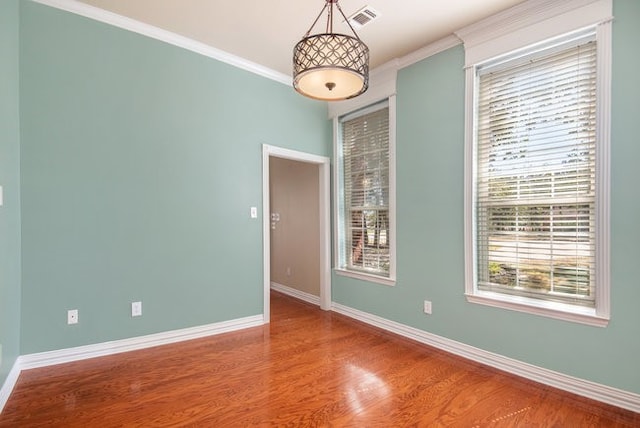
(535, 178)
(365, 244)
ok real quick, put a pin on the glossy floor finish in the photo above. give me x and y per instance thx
(308, 368)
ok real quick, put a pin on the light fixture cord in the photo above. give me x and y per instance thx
(346, 20)
(316, 21)
(329, 27)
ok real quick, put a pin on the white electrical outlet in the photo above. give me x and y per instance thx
(72, 316)
(427, 307)
(136, 309)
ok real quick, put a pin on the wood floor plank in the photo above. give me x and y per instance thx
(307, 368)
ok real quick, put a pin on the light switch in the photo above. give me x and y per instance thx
(136, 309)
(1, 196)
(254, 212)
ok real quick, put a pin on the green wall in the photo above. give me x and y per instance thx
(10, 182)
(430, 255)
(140, 161)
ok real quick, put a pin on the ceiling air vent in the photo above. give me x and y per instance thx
(363, 17)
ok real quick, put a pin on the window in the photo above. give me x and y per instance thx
(535, 182)
(535, 236)
(365, 190)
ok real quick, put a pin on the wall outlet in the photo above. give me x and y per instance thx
(72, 316)
(427, 307)
(136, 309)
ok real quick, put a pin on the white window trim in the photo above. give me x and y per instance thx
(534, 22)
(391, 279)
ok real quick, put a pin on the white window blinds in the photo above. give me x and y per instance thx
(365, 181)
(535, 179)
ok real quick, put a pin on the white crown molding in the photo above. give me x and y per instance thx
(382, 78)
(301, 295)
(529, 23)
(585, 388)
(521, 15)
(429, 50)
(9, 383)
(524, 14)
(125, 23)
(43, 359)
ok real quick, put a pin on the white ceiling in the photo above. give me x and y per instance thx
(265, 32)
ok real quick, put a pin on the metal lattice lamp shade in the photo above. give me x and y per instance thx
(330, 66)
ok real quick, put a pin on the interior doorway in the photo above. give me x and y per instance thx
(323, 250)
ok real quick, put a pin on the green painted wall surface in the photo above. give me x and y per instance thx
(430, 254)
(10, 182)
(140, 161)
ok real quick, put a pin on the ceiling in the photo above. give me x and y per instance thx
(265, 32)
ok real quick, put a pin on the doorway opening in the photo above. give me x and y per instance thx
(323, 215)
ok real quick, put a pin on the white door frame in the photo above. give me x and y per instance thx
(324, 187)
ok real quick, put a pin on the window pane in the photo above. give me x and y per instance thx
(370, 238)
(365, 163)
(535, 195)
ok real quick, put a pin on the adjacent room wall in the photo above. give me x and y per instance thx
(430, 242)
(140, 162)
(295, 240)
(10, 182)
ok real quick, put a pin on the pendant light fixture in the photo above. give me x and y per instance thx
(329, 66)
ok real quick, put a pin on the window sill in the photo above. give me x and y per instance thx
(366, 277)
(561, 311)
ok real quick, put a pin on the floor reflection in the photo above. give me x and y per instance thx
(363, 387)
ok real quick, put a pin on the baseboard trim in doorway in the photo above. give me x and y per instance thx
(606, 394)
(309, 298)
(43, 359)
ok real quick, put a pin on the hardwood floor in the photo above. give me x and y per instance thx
(308, 368)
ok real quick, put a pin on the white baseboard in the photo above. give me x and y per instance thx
(616, 397)
(9, 383)
(309, 298)
(43, 359)
(49, 358)
(603, 393)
